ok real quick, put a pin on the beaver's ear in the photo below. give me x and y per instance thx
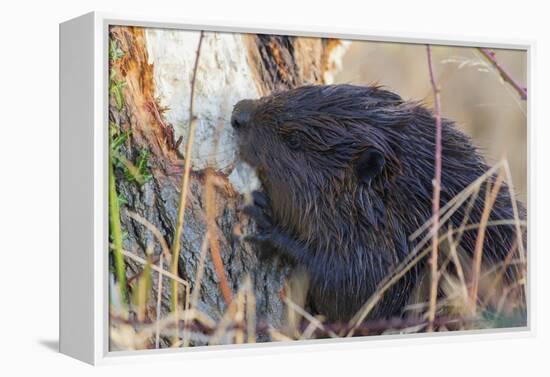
(369, 164)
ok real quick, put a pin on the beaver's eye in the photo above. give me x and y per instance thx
(293, 141)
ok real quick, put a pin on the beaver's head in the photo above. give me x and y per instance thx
(316, 134)
(318, 149)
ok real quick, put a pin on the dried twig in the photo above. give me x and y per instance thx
(153, 229)
(478, 251)
(136, 258)
(436, 192)
(508, 261)
(506, 76)
(250, 311)
(456, 261)
(184, 184)
(227, 319)
(198, 280)
(200, 272)
(511, 190)
(213, 239)
(211, 225)
(307, 316)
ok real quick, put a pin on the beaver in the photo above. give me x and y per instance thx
(347, 174)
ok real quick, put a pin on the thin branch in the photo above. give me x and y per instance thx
(154, 267)
(436, 193)
(198, 280)
(456, 261)
(250, 311)
(184, 183)
(508, 261)
(200, 272)
(504, 73)
(307, 316)
(478, 252)
(153, 229)
(512, 192)
(210, 202)
(211, 225)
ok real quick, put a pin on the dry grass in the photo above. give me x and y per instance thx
(497, 303)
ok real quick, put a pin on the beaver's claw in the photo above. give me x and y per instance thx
(260, 211)
(269, 239)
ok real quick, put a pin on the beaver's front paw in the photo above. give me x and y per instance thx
(269, 239)
(260, 211)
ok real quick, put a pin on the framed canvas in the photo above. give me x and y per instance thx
(233, 189)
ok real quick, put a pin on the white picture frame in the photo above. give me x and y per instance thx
(83, 190)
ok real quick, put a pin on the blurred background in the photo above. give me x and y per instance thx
(472, 92)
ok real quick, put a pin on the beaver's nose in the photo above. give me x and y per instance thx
(242, 113)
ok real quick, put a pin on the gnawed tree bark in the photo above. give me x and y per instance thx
(151, 82)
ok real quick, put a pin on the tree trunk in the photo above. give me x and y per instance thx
(150, 85)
